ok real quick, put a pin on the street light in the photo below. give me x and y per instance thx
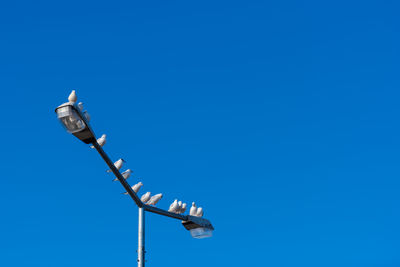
(76, 121)
(198, 227)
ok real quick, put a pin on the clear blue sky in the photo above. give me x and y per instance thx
(280, 119)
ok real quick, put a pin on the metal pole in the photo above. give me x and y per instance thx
(141, 250)
(165, 213)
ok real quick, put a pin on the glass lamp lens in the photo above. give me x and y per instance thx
(201, 232)
(70, 119)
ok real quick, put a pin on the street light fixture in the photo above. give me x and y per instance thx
(198, 227)
(76, 121)
(72, 118)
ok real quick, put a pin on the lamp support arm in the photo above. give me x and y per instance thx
(117, 174)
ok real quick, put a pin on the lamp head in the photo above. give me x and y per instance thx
(198, 227)
(74, 122)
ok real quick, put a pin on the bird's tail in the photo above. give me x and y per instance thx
(108, 171)
(125, 193)
(116, 179)
(91, 146)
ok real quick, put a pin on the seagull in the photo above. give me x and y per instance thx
(87, 116)
(199, 212)
(154, 199)
(193, 209)
(179, 205)
(118, 164)
(72, 97)
(145, 197)
(101, 141)
(125, 174)
(135, 188)
(174, 207)
(183, 208)
(80, 106)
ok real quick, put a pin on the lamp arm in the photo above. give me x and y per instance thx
(117, 174)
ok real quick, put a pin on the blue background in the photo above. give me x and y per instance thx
(280, 119)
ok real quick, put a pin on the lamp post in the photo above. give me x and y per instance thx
(76, 122)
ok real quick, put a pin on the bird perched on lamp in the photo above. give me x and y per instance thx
(183, 208)
(145, 197)
(72, 97)
(126, 174)
(199, 212)
(193, 209)
(174, 206)
(135, 188)
(101, 141)
(118, 164)
(154, 199)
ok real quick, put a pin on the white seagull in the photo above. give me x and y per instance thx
(154, 199)
(125, 174)
(179, 206)
(72, 97)
(199, 212)
(174, 207)
(80, 106)
(101, 141)
(145, 197)
(87, 115)
(183, 208)
(193, 209)
(135, 188)
(118, 164)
